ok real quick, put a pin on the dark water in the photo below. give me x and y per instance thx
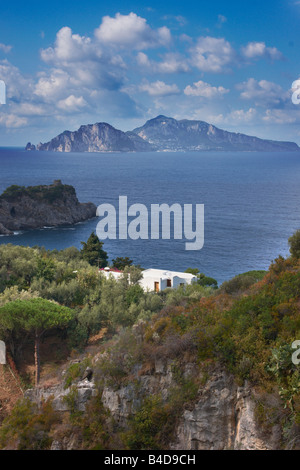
(252, 202)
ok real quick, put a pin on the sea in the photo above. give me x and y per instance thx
(251, 203)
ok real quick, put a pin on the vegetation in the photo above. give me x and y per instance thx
(203, 280)
(48, 194)
(294, 243)
(247, 325)
(121, 263)
(93, 252)
(32, 317)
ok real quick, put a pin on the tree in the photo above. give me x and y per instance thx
(121, 263)
(294, 243)
(207, 281)
(203, 280)
(93, 253)
(33, 317)
(194, 271)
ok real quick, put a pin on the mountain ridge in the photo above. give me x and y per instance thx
(159, 134)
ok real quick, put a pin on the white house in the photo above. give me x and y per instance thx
(158, 279)
(111, 272)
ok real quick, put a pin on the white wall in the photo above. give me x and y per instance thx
(150, 276)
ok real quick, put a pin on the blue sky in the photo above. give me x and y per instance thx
(70, 63)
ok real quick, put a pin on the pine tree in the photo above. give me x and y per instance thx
(93, 252)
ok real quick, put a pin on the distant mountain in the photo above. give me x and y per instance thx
(159, 134)
(99, 137)
(166, 133)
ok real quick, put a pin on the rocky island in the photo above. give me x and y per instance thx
(158, 135)
(25, 208)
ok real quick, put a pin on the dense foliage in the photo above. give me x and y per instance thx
(247, 325)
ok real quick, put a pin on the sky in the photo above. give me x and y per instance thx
(69, 63)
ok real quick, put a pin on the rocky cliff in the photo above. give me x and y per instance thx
(219, 414)
(99, 137)
(159, 134)
(34, 207)
(221, 417)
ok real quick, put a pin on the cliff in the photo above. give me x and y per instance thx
(159, 134)
(220, 416)
(35, 207)
(99, 137)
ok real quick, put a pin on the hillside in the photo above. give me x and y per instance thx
(191, 368)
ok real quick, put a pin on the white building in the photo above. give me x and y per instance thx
(111, 272)
(158, 279)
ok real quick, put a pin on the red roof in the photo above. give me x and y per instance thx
(114, 270)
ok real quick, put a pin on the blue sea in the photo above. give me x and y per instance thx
(252, 202)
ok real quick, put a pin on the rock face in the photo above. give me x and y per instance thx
(168, 134)
(85, 390)
(222, 418)
(30, 146)
(159, 134)
(39, 206)
(99, 137)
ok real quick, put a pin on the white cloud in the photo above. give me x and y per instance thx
(171, 63)
(18, 87)
(204, 90)
(235, 117)
(255, 50)
(5, 48)
(131, 31)
(12, 121)
(69, 47)
(159, 88)
(51, 87)
(72, 103)
(221, 20)
(143, 60)
(84, 61)
(280, 116)
(262, 92)
(212, 54)
(29, 109)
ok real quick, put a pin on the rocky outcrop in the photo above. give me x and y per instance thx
(39, 206)
(30, 146)
(84, 391)
(222, 417)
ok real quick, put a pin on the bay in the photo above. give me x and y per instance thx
(252, 202)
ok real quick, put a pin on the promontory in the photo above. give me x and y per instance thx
(33, 207)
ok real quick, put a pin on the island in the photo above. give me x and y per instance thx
(161, 134)
(33, 207)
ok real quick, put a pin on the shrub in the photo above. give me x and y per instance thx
(294, 243)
